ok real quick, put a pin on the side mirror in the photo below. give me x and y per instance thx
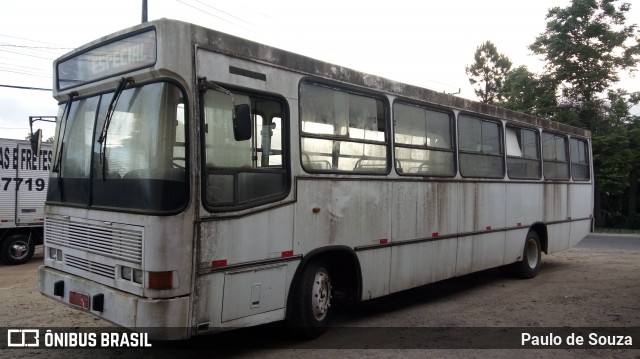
(36, 140)
(242, 123)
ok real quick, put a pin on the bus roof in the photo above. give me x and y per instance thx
(249, 50)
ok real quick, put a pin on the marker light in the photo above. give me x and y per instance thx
(160, 280)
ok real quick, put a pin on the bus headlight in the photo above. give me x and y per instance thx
(55, 254)
(131, 274)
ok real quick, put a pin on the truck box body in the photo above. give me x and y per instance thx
(24, 177)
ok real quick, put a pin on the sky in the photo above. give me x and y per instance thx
(423, 43)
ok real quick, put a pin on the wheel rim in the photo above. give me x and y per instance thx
(19, 250)
(532, 253)
(321, 294)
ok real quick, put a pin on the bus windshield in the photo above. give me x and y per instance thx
(140, 165)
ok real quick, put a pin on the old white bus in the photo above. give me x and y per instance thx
(203, 182)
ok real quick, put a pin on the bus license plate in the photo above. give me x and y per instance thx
(78, 299)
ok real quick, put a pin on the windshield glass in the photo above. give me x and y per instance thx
(141, 166)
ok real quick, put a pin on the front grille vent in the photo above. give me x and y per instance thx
(116, 241)
(90, 266)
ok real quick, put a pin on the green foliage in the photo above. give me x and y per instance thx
(611, 161)
(586, 44)
(525, 92)
(488, 73)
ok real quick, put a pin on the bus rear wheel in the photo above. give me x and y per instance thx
(16, 249)
(531, 257)
(311, 306)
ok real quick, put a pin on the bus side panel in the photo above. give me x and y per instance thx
(556, 215)
(481, 209)
(423, 210)
(351, 213)
(249, 291)
(524, 208)
(347, 213)
(423, 263)
(375, 267)
(244, 297)
(581, 209)
(250, 238)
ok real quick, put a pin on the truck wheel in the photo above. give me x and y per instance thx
(311, 306)
(531, 257)
(17, 249)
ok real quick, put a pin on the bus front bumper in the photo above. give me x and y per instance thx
(163, 319)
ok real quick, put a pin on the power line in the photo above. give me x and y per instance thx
(224, 12)
(216, 16)
(30, 55)
(35, 47)
(22, 38)
(25, 88)
(24, 73)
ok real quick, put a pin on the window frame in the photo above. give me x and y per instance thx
(343, 138)
(538, 150)
(587, 159)
(568, 159)
(452, 139)
(236, 204)
(502, 149)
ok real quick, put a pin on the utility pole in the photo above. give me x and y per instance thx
(144, 11)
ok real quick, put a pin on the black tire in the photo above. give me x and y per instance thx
(531, 258)
(17, 249)
(311, 306)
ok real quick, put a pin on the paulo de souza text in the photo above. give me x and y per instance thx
(592, 340)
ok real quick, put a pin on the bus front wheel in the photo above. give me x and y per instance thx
(311, 307)
(531, 257)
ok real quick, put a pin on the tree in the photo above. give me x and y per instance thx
(586, 44)
(525, 92)
(488, 73)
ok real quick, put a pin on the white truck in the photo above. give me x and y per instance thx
(24, 176)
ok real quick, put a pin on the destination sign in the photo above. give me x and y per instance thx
(111, 59)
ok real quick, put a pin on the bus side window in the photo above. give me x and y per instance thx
(579, 160)
(422, 141)
(523, 153)
(480, 146)
(342, 131)
(554, 155)
(242, 173)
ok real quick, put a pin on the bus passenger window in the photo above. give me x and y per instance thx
(480, 146)
(579, 160)
(523, 153)
(423, 143)
(342, 131)
(554, 155)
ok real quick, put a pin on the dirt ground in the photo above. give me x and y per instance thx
(581, 288)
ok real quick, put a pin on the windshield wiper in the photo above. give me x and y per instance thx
(107, 122)
(60, 147)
